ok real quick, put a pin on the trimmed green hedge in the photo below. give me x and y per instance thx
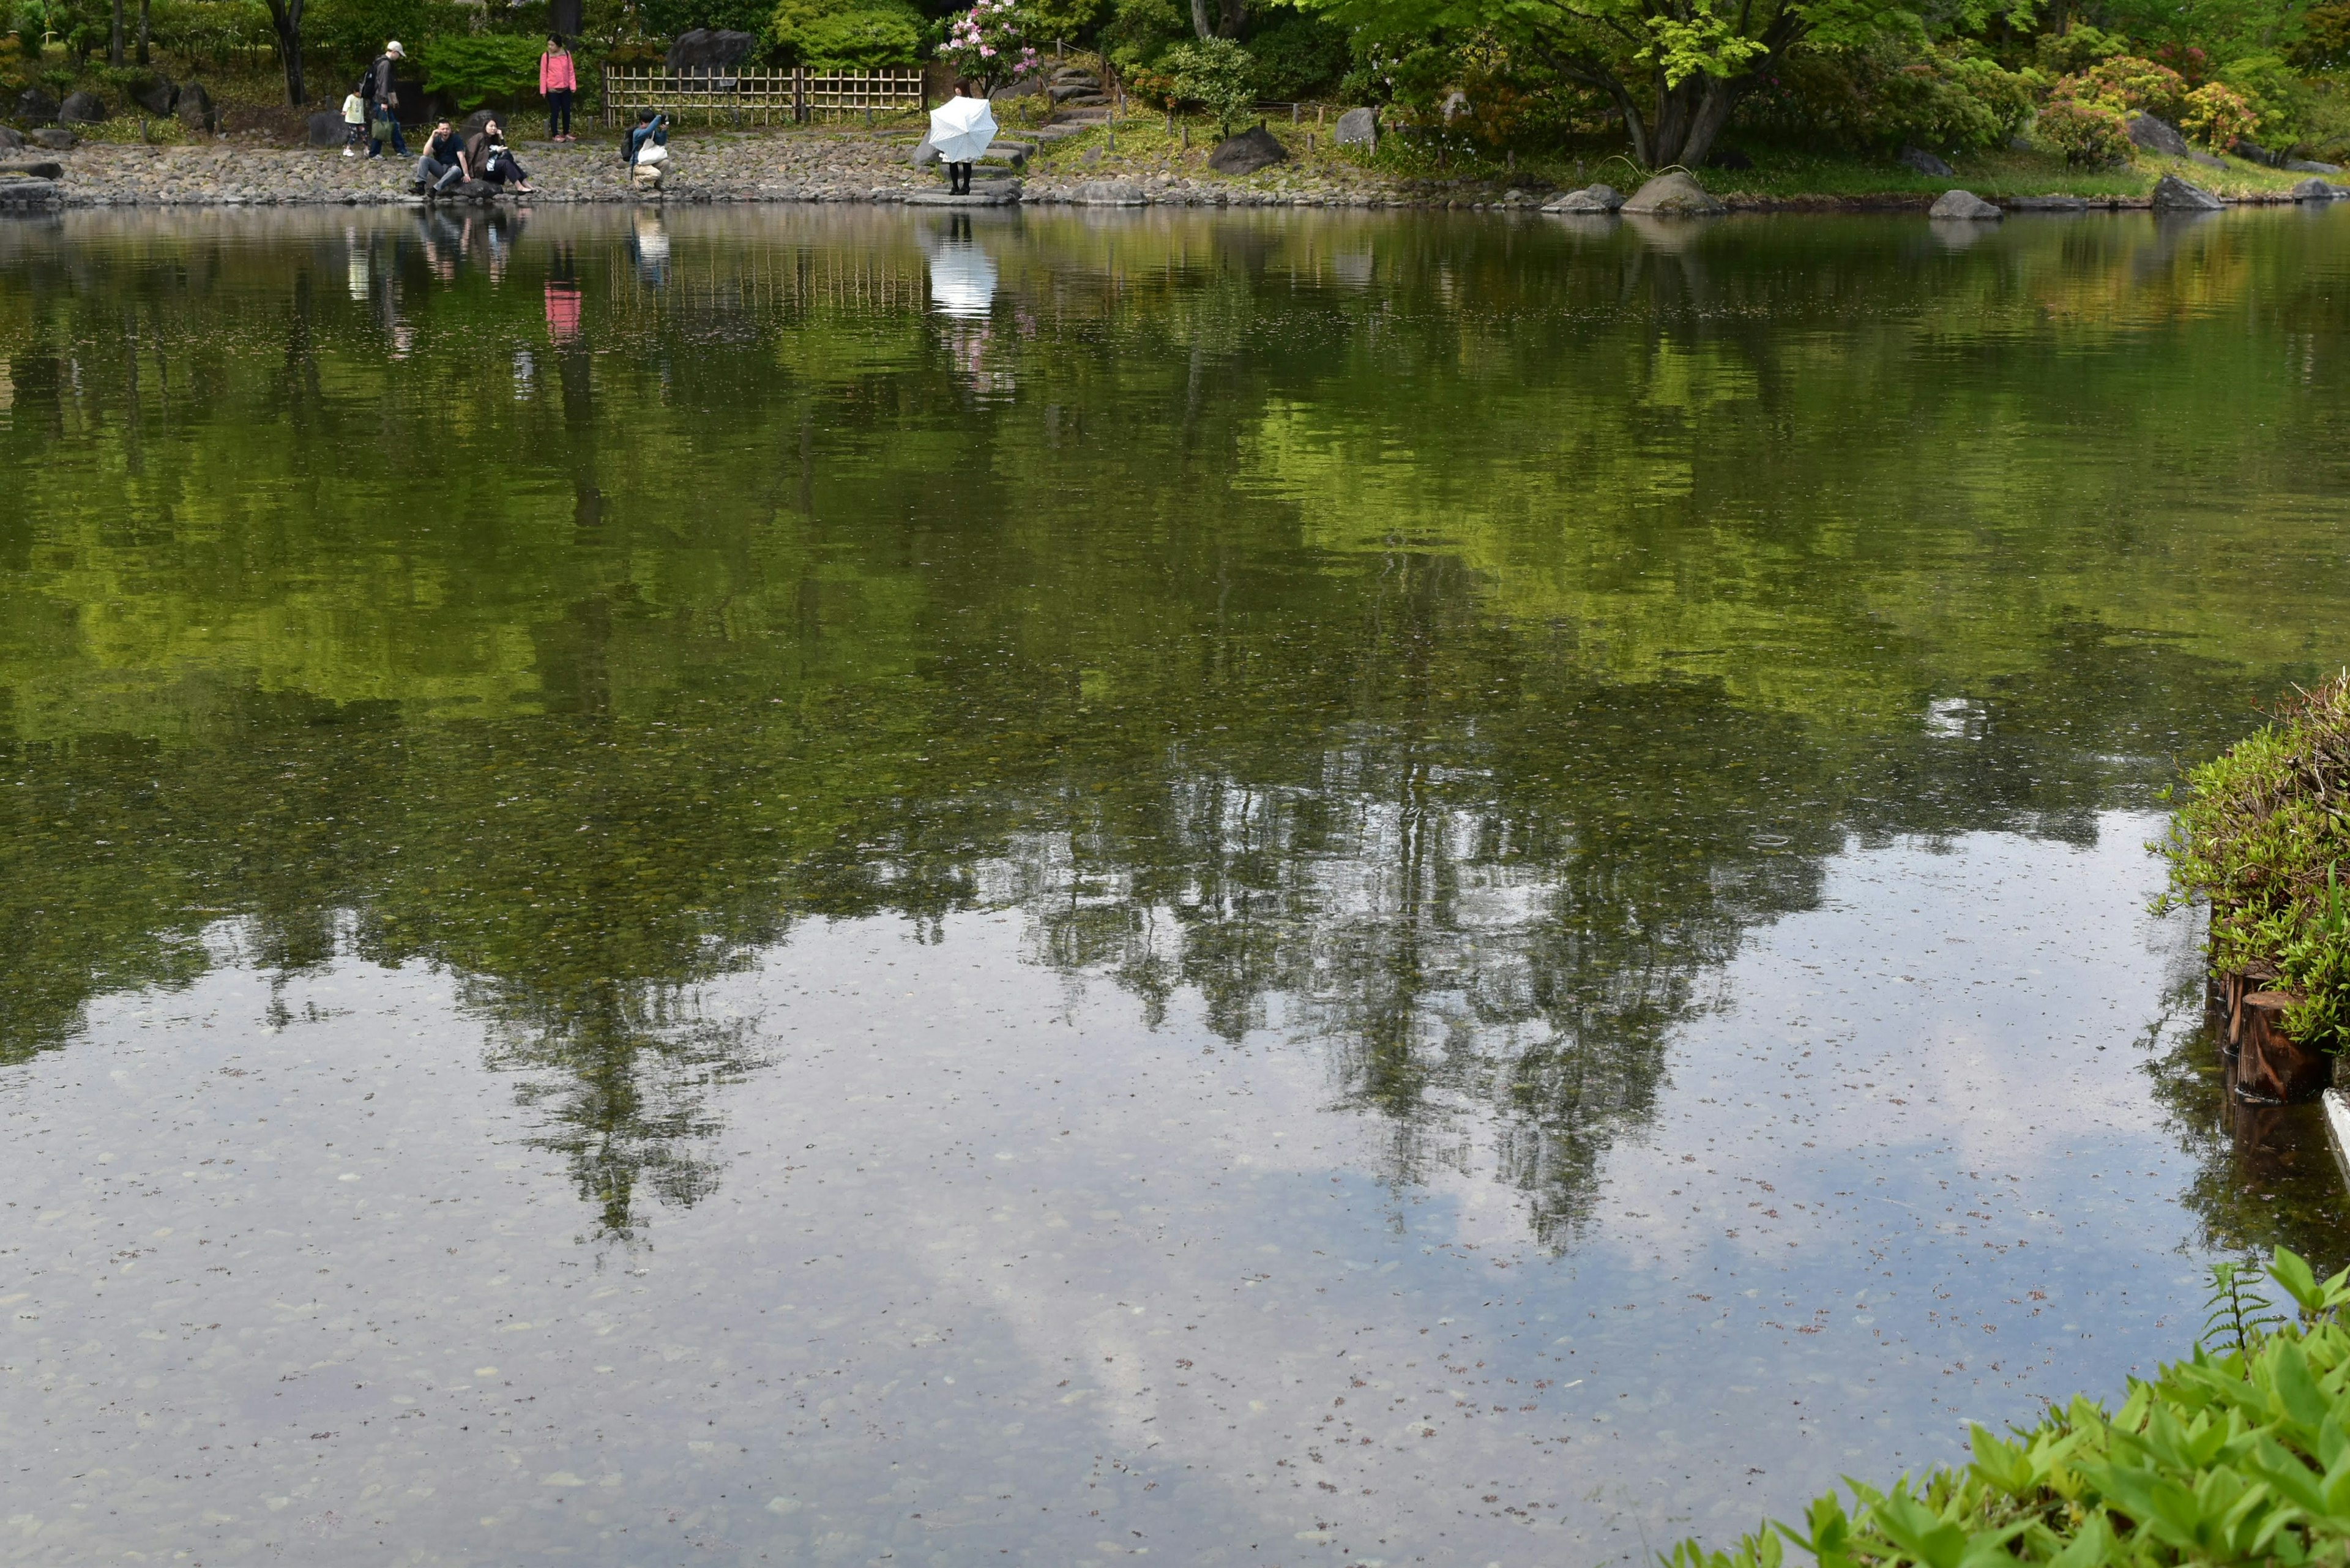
(2259, 837)
(2239, 1454)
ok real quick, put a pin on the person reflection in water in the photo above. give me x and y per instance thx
(562, 299)
(650, 240)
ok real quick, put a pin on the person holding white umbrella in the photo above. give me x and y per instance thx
(961, 128)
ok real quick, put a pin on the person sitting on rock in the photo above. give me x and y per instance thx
(443, 163)
(490, 159)
(646, 148)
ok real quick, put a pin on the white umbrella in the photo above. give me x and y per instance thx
(961, 127)
(962, 280)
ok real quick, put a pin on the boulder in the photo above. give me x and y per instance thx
(1590, 199)
(470, 126)
(10, 140)
(1358, 128)
(1014, 152)
(194, 107)
(2172, 195)
(2253, 152)
(32, 171)
(1926, 163)
(57, 139)
(27, 192)
(81, 109)
(2311, 166)
(710, 52)
(1028, 86)
(923, 155)
(154, 94)
(1249, 151)
(1108, 193)
(325, 129)
(2156, 136)
(34, 106)
(1964, 205)
(1673, 195)
(2312, 190)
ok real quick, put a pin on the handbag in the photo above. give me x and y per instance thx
(650, 153)
(382, 127)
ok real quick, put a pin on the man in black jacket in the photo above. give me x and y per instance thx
(443, 163)
(383, 101)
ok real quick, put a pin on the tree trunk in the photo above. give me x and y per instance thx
(1200, 22)
(287, 16)
(1689, 118)
(142, 32)
(114, 39)
(1235, 19)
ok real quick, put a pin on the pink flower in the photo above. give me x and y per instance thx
(985, 52)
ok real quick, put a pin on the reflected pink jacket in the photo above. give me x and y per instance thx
(556, 73)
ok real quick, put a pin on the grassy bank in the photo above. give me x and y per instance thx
(2237, 1454)
(2263, 836)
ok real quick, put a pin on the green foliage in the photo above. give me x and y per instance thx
(2237, 1313)
(2237, 1456)
(2260, 836)
(2130, 84)
(2076, 48)
(1138, 31)
(1061, 21)
(1894, 88)
(2323, 41)
(845, 35)
(343, 36)
(474, 68)
(2274, 93)
(1216, 74)
(2217, 115)
(216, 32)
(667, 18)
(1298, 55)
(2090, 135)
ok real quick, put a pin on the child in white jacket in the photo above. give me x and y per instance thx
(354, 124)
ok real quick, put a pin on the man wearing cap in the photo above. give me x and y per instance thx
(383, 99)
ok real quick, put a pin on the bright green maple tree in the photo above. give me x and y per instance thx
(1674, 69)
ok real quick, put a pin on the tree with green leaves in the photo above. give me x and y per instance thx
(1674, 69)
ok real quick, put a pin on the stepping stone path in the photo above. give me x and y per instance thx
(1078, 105)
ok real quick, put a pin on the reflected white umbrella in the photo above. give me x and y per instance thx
(962, 129)
(962, 279)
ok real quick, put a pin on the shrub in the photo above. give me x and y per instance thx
(2234, 1455)
(2216, 116)
(217, 32)
(1216, 74)
(1893, 90)
(2263, 836)
(1138, 31)
(989, 43)
(2324, 42)
(2088, 134)
(2275, 93)
(1298, 57)
(473, 68)
(2076, 49)
(2131, 83)
(1060, 21)
(342, 36)
(845, 35)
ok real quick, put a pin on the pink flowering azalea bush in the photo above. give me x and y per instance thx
(987, 43)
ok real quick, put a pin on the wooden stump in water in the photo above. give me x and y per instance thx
(2270, 1065)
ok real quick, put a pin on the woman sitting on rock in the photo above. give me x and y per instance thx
(492, 160)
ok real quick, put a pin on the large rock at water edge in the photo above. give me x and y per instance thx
(710, 51)
(1926, 163)
(1962, 205)
(32, 171)
(325, 129)
(1673, 195)
(34, 106)
(1249, 151)
(2156, 136)
(1590, 199)
(194, 107)
(2172, 195)
(2312, 190)
(1358, 128)
(1108, 193)
(81, 109)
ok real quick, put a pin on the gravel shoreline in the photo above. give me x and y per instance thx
(731, 167)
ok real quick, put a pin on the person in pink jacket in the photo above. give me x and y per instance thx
(559, 79)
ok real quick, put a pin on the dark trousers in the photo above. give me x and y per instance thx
(399, 142)
(959, 179)
(504, 167)
(558, 112)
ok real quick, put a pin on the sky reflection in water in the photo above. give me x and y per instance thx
(1293, 891)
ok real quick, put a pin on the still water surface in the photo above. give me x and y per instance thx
(829, 887)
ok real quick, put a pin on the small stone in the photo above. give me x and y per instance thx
(1672, 195)
(1358, 128)
(1591, 199)
(1962, 205)
(2172, 195)
(2312, 190)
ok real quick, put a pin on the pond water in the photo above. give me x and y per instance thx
(844, 886)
